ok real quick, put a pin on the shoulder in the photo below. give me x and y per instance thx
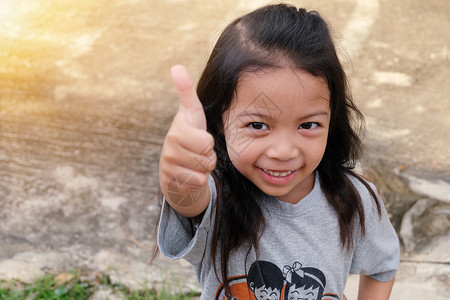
(370, 198)
(377, 247)
(362, 185)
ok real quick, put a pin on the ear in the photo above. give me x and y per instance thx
(252, 286)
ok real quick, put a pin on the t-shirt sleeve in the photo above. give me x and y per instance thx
(377, 253)
(179, 236)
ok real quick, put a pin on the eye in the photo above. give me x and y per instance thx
(258, 126)
(308, 125)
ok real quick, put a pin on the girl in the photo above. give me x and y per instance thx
(258, 167)
(303, 283)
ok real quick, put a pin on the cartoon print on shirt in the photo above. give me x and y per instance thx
(303, 283)
(265, 281)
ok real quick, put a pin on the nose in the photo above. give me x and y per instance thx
(283, 147)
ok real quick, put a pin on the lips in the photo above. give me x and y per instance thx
(278, 173)
(277, 177)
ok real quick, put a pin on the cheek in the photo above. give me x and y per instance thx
(238, 143)
(244, 160)
(316, 148)
(232, 154)
(239, 156)
(235, 157)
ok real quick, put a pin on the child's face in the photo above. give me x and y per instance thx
(263, 293)
(302, 294)
(277, 139)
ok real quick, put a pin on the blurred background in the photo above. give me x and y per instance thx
(86, 98)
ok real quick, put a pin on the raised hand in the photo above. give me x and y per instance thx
(187, 156)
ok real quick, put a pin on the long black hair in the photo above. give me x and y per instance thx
(265, 38)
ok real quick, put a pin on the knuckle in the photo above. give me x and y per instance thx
(207, 144)
(203, 180)
(210, 138)
(167, 156)
(164, 180)
(213, 162)
(172, 136)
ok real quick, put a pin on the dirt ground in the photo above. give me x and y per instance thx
(86, 98)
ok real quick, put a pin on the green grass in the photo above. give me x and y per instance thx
(48, 288)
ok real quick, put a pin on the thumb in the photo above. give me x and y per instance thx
(190, 105)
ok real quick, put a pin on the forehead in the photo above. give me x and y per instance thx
(283, 86)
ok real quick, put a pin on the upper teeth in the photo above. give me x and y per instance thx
(278, 174)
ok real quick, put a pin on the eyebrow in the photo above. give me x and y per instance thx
(315, 114)
(266, 116)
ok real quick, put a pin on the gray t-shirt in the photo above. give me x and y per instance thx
(300, 251)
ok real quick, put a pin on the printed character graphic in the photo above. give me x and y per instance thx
(303, 283)
(265, 280)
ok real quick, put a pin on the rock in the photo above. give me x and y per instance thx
(123, 269)
(421, 279)
(437, 189)
(413, 281)
(407, 227)
(137, 274)
(425, 231)
(393, 189)
(27, 266)
(106, 293)
(63, 278)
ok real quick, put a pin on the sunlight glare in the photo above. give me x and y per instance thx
(11, 12)
(6, 10)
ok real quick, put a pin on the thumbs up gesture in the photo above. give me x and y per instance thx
(187, 156)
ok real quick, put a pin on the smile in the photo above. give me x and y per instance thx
(278, 174)
(278, 177)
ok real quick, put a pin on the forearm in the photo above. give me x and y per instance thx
(187, 156)
(190, 204)
(371, 289)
